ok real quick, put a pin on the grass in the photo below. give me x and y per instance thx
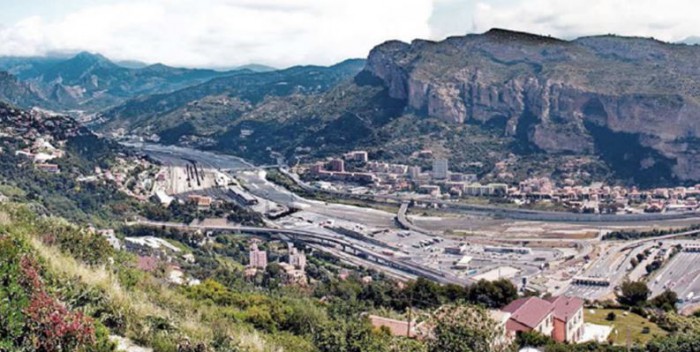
(151, 299)
(631, 322)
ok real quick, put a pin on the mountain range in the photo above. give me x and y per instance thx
(90, 82)
(622, 108)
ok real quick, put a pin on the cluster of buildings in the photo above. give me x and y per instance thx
(440, 182)
(390, 177)
(34, 131)
(600, 198)
(41, 152)
(335, 170)
(560, 318)
(294, 269)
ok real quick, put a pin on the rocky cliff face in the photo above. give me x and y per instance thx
(557, 96)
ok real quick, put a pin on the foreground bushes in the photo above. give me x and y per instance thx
(33, 319)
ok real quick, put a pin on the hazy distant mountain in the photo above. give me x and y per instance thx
(131, 64)
(692, 40)
(255, 68)
(92, 82)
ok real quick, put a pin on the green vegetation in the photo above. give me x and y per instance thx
(31, 316)
(229, 311)
(60, 194)
(635, 235)
(633, 293)
(625, 322)
(189, 211)
(461, 328)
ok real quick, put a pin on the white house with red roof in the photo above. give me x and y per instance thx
(559, 317)
(530, 314)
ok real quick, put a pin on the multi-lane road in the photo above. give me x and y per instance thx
(356, 247)
(612, 263)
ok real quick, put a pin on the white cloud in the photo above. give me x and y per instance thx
(220, 33)
(670, 20)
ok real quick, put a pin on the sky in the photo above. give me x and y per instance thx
(282, 33)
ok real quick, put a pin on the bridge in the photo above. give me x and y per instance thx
(406, 224)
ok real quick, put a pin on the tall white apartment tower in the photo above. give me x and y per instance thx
(440, 169)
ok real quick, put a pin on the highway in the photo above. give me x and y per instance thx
(613, 260)
(314, 237)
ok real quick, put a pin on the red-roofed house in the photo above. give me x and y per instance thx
(530, 314)
(568, 318)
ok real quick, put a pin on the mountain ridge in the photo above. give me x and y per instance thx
(548, 91)
(91, 82)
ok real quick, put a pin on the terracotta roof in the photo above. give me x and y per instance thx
(529, 311)
(396, 327)
(565, 307)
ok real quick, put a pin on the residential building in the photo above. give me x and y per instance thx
(560, 317)
(258, 258)
(568, 318)
(336, 165)
(297, 258)
(357, 155)
(503, 338)
(414, 172)
(440, 169)
(292, 275)
(530, 314)
(459, 177)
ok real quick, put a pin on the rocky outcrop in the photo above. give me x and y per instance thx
(554, 94)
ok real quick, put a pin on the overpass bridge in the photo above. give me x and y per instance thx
(406, 224)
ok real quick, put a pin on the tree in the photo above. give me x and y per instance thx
(464, 328)
(304, 317)
(492, 294)
(355, 335)
(424, 293)
(665, 301)
(675, 343)
(633, 293)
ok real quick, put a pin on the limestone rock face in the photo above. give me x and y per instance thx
(557, 96)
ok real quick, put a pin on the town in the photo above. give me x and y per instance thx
(356, 173)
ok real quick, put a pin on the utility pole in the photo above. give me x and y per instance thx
(410, 314)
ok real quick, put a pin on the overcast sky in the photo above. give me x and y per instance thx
(225, 33)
